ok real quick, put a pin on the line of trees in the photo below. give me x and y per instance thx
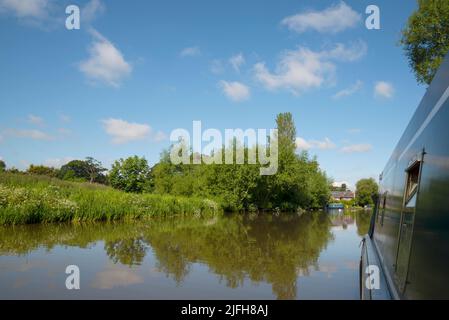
(299, 182)
(90, 170)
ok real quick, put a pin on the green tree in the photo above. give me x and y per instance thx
(95, 170)
(299, 181)
(83, 170)
(131, 175)
(286, 184)
(426, 38)
(42, 170)
(286, 136)
(74, 170)
(2, 166)
(366, 191)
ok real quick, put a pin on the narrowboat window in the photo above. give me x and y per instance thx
(412, 202)
(412, 181)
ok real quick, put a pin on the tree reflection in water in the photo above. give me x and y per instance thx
(259, 248)
(266, 248)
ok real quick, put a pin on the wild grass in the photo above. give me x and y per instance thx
(26, 199)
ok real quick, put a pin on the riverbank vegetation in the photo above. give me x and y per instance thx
(81, 190)
(26, 199)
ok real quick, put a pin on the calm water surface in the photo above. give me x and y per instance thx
(314, 256)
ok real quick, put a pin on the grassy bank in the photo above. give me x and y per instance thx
(26, 199)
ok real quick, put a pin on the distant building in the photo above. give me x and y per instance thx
(342, 195)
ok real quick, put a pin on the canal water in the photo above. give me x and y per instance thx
(313, 256)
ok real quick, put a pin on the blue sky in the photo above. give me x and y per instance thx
(136, 70)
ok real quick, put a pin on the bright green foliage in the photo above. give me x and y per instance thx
(366, 192)
(426, 38)
(2, 165)
(299, 182)
(131, 175)
(38, 199)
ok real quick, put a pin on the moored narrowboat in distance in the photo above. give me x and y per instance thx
(406, 253)
(333, 206)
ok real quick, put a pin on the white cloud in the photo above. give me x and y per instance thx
(357, 148)
(106, 63)
(341, 52)
(297, 71)
(190, 52)
(36, 9)
(31, 134)
(116, 276)
(303, 144)
(323, 145)
(235, 91)
(303, 69)
(349, 91)
(91, 10)
(383, 89)
(35, 120)
(57, 162)
(237, 61)
(122, 131)
(334, 19)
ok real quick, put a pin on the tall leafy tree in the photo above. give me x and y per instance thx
(286, 136)
(299, 181)
(94, 169)
(288, 186)
(2, 166)
(84, 170)
(366, 191)
(74, 170)
(131, 175)
(426, 38)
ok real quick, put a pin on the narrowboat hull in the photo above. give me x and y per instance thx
(409, 234)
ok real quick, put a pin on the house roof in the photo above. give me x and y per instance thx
(342, 194)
